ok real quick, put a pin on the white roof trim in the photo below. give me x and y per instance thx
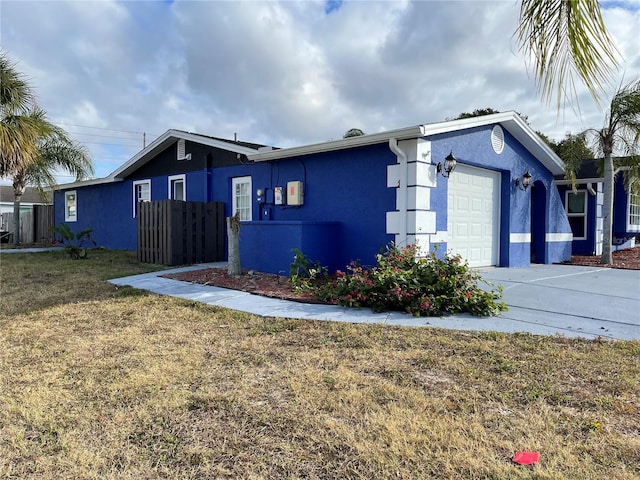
(159, 144)
(169, 137)
(351, 142)
(510, 121)
(579, 181)
(85, 183)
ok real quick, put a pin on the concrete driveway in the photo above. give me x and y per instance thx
(571, 300)
(543, 300)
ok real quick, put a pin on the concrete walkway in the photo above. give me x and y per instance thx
(543, 299)
(30, 250)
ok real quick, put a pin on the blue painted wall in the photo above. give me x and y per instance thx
(107, 209)
(345, 187)
(346, 199)
(620, 205)
(473, 147)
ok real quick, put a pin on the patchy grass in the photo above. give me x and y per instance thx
(99, 382)
(33, 281)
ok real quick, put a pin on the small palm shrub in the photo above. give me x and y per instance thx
(423, 286)
(305, 273)
(74, 242)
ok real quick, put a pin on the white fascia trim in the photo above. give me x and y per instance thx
(168, 138)
(159, 144)
(511, 121)
(363, 140)
(519, 238)
(579, 181)
(517, 127)
(85, 183)
(559, 237)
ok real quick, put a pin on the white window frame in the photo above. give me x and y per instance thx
(67, 216)
(171, 181)
(135, 194)
(576, 215)
(633, 211)
(246, 215)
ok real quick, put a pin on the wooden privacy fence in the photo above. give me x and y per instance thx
(173, 232)
(35, 225)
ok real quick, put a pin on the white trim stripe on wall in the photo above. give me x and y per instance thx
(519, 238)
(559, 237)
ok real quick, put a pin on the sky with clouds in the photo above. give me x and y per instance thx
(281, 73)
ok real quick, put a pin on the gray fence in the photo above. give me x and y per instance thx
(172, 232)
(35, 225)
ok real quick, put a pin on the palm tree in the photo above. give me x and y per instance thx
(17, 130)
(31, 148)
(565, 39)
(54, 151)
(620, 135)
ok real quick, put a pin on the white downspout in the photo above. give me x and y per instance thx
(403, 190)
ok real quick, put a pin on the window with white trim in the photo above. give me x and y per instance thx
(241, 197)
(177, 187)
(70, 206)
(141, 193)
(576, 208)
(634, 212)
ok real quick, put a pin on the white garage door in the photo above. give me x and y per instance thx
(473, 210)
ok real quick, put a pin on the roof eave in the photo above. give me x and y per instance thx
(515, 125)
(86, 183)
(344, 143)
(167, 139)
(511, 121)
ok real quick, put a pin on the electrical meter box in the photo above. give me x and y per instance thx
(295, 193)
(277, 196)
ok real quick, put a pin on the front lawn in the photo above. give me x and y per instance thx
(104, 382)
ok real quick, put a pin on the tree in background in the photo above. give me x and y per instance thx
(33, 148)
(572, 150)
(619, 135)
(353, 132)
(478, 112)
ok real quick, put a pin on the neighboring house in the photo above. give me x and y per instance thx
(585, 212)
(345, 200)
(30, 197)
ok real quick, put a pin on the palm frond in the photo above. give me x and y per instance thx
(15, 94)
(567, 40)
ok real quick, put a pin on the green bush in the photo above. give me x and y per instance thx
(304, 272)
(74, 242)
(404, 280)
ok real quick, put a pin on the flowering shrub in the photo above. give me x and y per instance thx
(422, 286)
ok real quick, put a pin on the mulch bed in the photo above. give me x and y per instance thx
(276, 286)
(628, 259)
(265, 284)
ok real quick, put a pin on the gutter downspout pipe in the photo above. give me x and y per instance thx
(402, 196)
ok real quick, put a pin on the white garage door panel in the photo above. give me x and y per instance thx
(473, 215)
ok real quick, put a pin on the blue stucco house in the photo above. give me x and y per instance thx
(583, 206)
(343, 200)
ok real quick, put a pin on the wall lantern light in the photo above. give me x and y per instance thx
(448, 166)
(525, 183)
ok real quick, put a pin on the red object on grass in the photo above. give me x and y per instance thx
(526, 458)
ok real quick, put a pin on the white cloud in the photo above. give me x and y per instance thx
(283, 73)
